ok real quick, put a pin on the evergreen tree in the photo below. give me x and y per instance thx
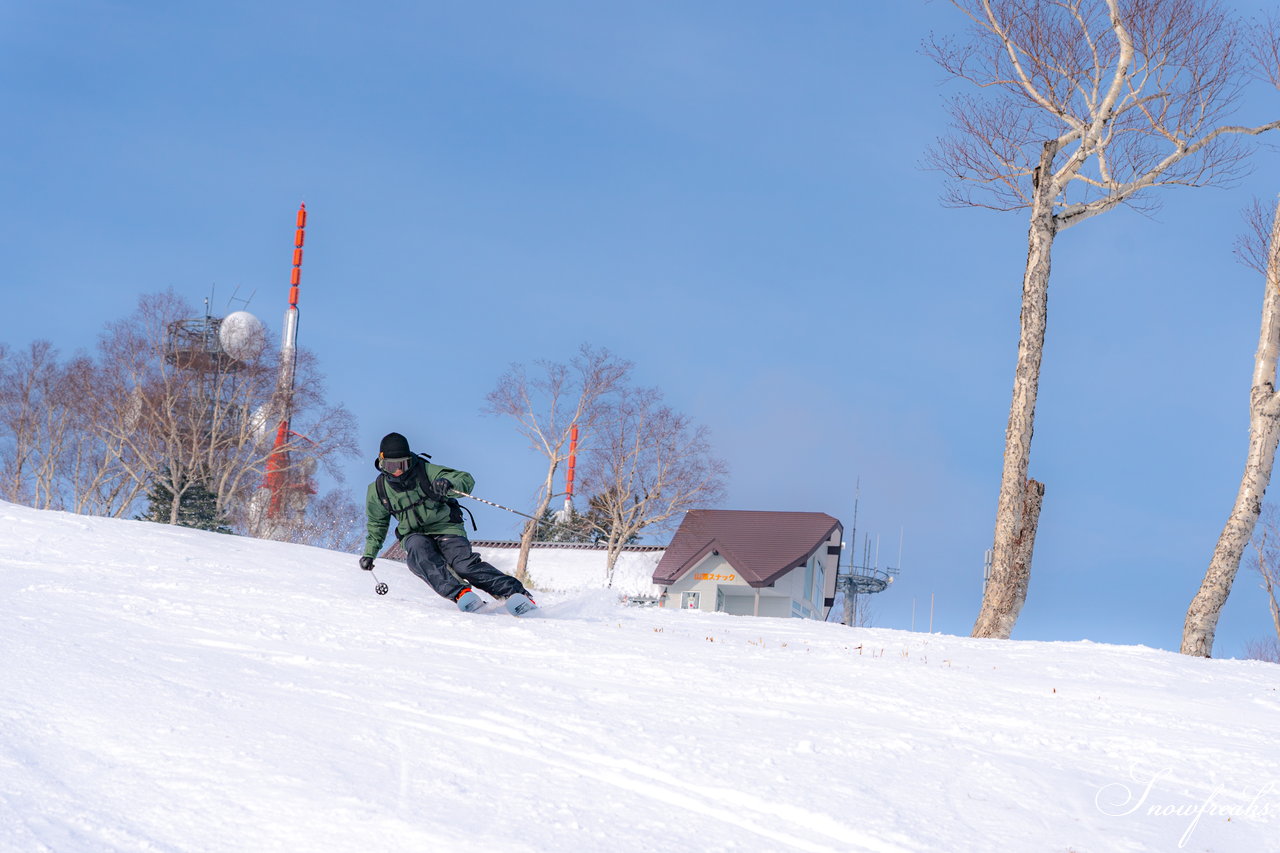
(198, 506)
(555, 526)
(593, 527)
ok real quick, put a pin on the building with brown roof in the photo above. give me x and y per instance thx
(752, 563)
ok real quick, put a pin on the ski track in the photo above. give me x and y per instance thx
(724, 804)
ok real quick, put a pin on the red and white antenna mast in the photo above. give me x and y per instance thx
(278, 461)
(568, 478)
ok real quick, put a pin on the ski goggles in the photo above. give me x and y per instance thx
(392, 464)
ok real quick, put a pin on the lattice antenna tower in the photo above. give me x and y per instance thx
(865, 578)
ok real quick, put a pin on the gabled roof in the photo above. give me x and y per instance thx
(761, 546)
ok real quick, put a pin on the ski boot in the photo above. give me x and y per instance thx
(468, 601)
(520, 604)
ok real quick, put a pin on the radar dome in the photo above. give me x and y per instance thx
(242, 336)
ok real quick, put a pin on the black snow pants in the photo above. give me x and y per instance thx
(432, 557)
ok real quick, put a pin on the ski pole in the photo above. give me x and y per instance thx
(554, 524)
(381, 588)
(491, 503)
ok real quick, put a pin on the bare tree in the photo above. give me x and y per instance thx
(334, 521)
(40, 411)
(56, 455)
(320, 435)
(174, 412)
(27, 412)
(547, 405)
(1270, 581)
(1086, 105)
(1265, 649)
(647, 465)
(1266, 556)
(156, 407)
(55, 431)
(102, 476)
(168, 396)
(1266, 561)
(1264, 435)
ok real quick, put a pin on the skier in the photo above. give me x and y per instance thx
(429, 527)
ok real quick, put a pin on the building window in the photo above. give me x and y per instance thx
(689, 600)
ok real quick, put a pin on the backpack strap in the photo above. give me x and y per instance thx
(454, 503)
(380, 486)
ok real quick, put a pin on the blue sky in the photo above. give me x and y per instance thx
(728, 194)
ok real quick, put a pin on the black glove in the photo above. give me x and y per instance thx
(440, 488)
(366, 563)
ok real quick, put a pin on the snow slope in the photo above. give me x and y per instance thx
(166, 689)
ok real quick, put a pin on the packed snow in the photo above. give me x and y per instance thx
(172, 690)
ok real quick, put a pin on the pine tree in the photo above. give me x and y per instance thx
(555, 526)
(593, 527)
(198, 506)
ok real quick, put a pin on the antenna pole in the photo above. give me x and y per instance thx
(851, 597)
(278, 461)
(867, 577)
(568, 477)
(857, 494)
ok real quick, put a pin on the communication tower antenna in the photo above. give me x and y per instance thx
(867, 578)
(235, 297)
(213, 352)
(212, 346)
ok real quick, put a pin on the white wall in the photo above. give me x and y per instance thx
(713, 572)
(571, 569)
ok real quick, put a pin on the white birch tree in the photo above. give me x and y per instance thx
(92, 435)
(27, 390)
(1083, 106)
(1264, 435)
(1268, 567)
(647, 466)
(546, 405)
(98, 475)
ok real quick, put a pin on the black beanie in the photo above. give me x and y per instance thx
(394, 446)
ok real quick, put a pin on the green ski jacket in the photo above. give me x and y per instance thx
(413, 511)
